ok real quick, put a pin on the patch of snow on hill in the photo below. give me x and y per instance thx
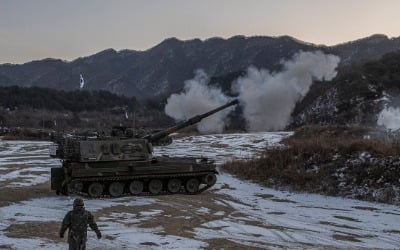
(389, 117)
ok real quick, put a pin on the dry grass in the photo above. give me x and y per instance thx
(312, 157)
(27, 134)
(344, 139)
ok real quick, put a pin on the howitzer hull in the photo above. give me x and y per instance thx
(120, 178)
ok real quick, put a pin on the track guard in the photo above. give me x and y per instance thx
(57, 178)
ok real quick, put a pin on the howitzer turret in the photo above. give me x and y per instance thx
(116, 166)
(159, 135)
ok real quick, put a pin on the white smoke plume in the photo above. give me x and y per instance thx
(268, 99)
(389, 117)
(197, 98)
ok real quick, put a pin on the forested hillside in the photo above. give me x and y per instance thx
(58, 100)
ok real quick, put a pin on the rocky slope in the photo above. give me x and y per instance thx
(355, 96)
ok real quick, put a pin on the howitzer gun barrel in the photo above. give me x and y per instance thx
(191, 121)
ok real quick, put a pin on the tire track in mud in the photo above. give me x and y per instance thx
(178, 215)
(9, 196)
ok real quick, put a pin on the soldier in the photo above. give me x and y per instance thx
(77, 221)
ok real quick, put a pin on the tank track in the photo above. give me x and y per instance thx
(126, 178)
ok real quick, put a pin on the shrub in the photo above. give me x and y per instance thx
(326, 159)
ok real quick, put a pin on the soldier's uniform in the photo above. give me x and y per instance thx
(77, 222)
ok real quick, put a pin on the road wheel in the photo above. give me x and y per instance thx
(174, 185)
(62, 191)
(155, 186)
(95, 189)
(77, 186)
(116, 189)
(210, 179)
(192, 185)
(136, 187)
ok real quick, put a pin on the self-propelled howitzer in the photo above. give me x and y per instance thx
(114, 166)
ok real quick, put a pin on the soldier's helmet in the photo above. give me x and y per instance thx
(78, 202)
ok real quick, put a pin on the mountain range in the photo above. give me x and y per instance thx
(163, 68)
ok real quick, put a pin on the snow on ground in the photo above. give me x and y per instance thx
(25, 163)
(286, 217)
(262, 217)
(222, 147)
(116, 226)
(305, 218)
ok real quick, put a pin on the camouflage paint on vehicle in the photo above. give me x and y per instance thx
(115, 166)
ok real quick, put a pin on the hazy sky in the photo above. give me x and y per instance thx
(36, 29)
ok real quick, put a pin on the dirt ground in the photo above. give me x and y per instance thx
(180, 215)
(233, 214)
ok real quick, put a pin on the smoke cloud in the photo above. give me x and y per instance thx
(197, 98)
(268, 99)
(389, 117)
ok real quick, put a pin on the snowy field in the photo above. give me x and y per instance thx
(233, 214)
(25, 163)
